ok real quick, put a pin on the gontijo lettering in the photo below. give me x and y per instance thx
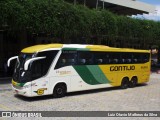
(122, 68)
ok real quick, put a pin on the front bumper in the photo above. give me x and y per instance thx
(21, 91)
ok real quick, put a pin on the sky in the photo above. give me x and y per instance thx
(152, 16)
(154, 2)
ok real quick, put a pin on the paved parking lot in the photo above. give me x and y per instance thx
(144, 97)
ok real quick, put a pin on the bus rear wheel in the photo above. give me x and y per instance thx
(133, 82)
(59, 91)
(125, 83)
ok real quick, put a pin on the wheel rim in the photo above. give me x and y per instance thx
(59, 91)
(124, 84)
(133, 82)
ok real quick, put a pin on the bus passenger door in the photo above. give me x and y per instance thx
(39, 77)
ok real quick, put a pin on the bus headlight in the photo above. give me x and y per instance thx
(29, 85)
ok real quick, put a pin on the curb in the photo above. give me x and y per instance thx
(5, 87)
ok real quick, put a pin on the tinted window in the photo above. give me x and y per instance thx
(67, 58)
(145, 57)
(126, 58)
(120, 58)
(19, 68)
(85, 58)
(100, 58)
(40, 68)
(114, 58)
(137, 58)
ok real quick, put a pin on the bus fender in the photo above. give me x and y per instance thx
(59, 82)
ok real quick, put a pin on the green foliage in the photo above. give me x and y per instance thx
(66, 20)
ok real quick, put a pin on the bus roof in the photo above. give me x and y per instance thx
(47, 47)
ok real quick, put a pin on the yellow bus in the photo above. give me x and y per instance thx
(60, 68)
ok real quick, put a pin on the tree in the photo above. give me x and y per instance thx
(67, 21)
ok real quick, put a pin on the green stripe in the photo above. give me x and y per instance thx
(98, 74)
(91, 74)
(86, 75)
(20, 84)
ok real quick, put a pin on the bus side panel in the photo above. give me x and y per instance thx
(141, 71)
(112, 76)
(88, 77)
(61, 75)
(144, 72)
(127, 74)
(116, 73)
(85, 77)
(40, 86)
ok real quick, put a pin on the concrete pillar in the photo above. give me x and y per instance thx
(97, 4)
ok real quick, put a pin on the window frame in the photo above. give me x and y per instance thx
(108, 57)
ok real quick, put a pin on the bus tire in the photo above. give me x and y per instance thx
(125, 83)
(59, 90)
(133, 82)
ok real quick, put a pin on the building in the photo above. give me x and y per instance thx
(121, 7)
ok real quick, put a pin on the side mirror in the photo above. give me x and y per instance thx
(31, 60)
(10, 59)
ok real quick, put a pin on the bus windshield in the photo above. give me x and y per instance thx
(36, 69)
(19, 67)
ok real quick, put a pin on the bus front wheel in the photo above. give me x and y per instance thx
(59, 91)
(125, 83)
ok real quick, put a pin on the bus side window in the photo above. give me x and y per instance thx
(71, 61)
(106, 59)
(67, 58)
(141, 57)
(62, 62)
(129, 60)
(99, 58)
(85, 58)
(137, 58)
(99, 61)
(115, 58)
(126, 58)
(82, 61)
(145, 57)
